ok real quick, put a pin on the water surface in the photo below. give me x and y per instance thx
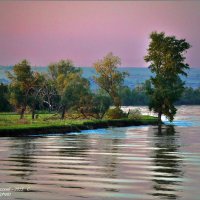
(142, 162)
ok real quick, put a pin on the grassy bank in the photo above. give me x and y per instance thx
(10, 125)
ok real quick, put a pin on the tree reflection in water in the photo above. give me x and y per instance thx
(79, 145)
(168, 164)
(22, 154)
(110, 161)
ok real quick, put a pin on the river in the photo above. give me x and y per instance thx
(142, 162)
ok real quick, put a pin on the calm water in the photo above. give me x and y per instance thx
(116, 163)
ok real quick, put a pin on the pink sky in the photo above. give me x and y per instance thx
(84, 31)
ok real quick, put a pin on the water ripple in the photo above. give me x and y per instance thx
(117, 163)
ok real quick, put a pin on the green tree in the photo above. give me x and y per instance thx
(190, 97)
(109, 78)
(4, 103)
(71, 86)
(76, 93)
(21, 86)
(139, 95)
(100, 104)
(49, 93)
(167, 62)
(62, 69)
(126, 96)
(35, 92)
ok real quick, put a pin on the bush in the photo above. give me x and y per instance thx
(134, 114)
(115, 113)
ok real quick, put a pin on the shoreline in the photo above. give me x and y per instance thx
(90, 125)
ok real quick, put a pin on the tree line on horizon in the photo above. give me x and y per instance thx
(64, 89)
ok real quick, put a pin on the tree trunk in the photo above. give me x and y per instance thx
(33, 111)
(49, 105)
(49, 109)
(63, 112)
(159, 117)
(22, 112)
(82, 112)
(24, 106)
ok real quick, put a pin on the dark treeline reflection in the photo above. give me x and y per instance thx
(116, 163)
(168, 163)
(111, 161)
(22, 157)
(77, 145)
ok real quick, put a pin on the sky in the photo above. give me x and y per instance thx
(85, 31)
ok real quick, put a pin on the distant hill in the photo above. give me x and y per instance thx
(4, 81)
(136, 75)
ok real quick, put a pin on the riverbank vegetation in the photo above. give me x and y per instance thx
(11, 125)
(64, 94)
(129, 97)
(67, 99)
(138, 97)
(166, 56)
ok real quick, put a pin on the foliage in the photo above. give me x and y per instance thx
(91, 105)
(71, 87)
(62, 68)
(100, 104)
(4, 103)
(136, 96)
(115, 113)
(35, 92)
(109, 78)
(48, 94)
(134, 114)
(167, 61)
(77, 92)
(10, 125)
(23, 84)
(190, 96)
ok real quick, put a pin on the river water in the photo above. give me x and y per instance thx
(142, 162)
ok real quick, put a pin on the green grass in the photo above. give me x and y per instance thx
(10, 123)
(11, 120)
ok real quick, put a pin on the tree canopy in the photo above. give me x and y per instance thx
(23, 83)
(71, 86)
(64, 88)
(4, 103)
(166, 56)
(109, 78)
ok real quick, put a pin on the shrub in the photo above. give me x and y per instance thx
(134, 114)
(115, 113)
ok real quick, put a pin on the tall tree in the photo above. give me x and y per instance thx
(49, 93)
(22, 82)
(167, 62)
(69, 83)
(76, 93)
(99, 104)
(109, 78)
(35, 91)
